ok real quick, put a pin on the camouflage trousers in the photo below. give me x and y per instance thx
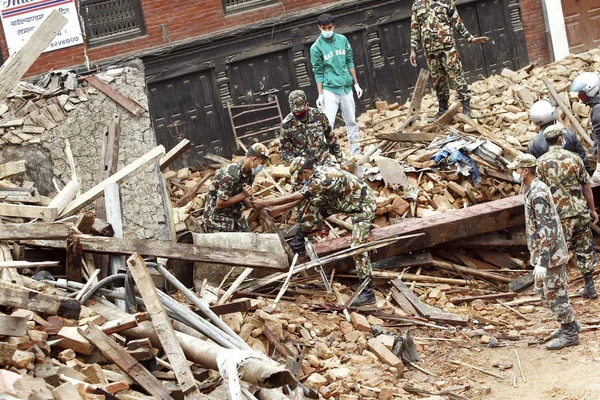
(447, 70)
(578, 236)
(553, 290)
(226, 225)
(361, 227)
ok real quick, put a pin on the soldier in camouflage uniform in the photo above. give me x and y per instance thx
(548, 251)
(331, 190)
(230, 189)
(433, 24)
(569, 183)
(305, 132)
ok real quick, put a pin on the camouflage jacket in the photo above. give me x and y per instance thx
(545, 238)
(564, 173)
(228, 181)
(595, 118)
(311, 139)
(433, 24)
(338, 191)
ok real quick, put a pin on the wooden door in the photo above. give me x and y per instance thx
(582, 21)
(185, 107)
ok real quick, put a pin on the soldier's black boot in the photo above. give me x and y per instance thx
(466, 107)
(443, 107)
(589, 289)
(297, 243)
(367, 296)
(556, 332)
(567, 336)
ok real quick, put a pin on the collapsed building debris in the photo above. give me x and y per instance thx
(450, 272)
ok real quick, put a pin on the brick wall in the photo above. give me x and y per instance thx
(183, 21)
(535, 31)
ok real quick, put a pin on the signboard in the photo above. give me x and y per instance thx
(21, 17)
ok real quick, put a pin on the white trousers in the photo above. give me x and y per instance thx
(331, 102)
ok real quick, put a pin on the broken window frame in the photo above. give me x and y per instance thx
(95, 40)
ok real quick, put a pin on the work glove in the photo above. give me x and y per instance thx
(596, 175)
(359, 91)
(320, 101)
(539, 273)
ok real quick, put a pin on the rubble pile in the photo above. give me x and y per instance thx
(83, 315)
(427, 179)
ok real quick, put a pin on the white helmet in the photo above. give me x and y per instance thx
(587, 83)
(543, 112)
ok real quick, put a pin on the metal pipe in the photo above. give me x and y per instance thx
(190, 318)
(253, 371)
(199, 303)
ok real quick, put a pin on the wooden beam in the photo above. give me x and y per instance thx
(407, 137)
(446, 117)
(27, 211)
(578, 128)
(419, 91)
(119, 177)
(27, 264)
(12, 168)
(17, 296)
(174, 153)
(65, 196)
(108, 90)
(438, 229)
(163, 327)
(125, 361)
(177, 251)
(20, 61)
(191, 193)
(39, 230)
(110, 157)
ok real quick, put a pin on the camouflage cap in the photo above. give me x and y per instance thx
(297, 99)
(258, 150)
(523, 161)
(295, 167)
(554, 131)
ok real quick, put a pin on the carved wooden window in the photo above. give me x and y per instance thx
(239, 5)
(108, 21)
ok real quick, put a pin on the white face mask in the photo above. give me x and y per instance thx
(327, 34)
(518, 178)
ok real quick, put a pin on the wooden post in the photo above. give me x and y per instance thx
(114, 216)
(125, 361)
(163, 327)
(578, 128)
(19, 62)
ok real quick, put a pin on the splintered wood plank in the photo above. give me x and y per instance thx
(27, 211)
(9, 274)
(418, 305)
(125, 361)
(12, 168)
(39, 230)
(419, 91)
(108, 90)
(19, 62)
(17, 296)
(403, 302)
(118, 177)
(163, 327)
(174, 153)
(499, 259)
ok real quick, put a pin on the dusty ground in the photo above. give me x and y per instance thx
(571, 373)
